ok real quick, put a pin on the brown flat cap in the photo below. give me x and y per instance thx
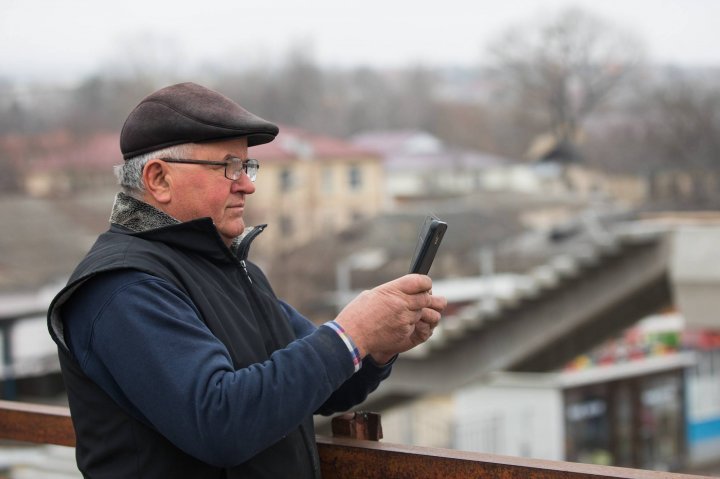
(189, 113)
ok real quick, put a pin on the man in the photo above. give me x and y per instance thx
(178, 358)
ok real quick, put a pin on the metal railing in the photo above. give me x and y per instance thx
(353, 451)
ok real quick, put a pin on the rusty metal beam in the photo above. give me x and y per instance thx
(350, 459)
(36, 423)
(345, 458)
(358, 425)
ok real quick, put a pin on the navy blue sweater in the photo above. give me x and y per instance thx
(188, 388)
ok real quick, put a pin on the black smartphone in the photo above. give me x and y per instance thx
(431, 235)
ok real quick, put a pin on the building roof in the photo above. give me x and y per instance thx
(571, 379)
(44, 239)
(294, 143)
(418, 151)
(100, 152)
(459, 160)
(399, 142)
(59, 149)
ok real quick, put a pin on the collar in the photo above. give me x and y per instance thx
(200, 235)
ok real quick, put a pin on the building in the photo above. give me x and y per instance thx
(647, 399)
(564, 163)
(307, 184)
(58, 163)
(310, 185)
(419, 166)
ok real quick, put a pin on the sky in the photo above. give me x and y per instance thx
(68, 39)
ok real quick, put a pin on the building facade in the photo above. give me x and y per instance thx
(310, 185)
(649, 400)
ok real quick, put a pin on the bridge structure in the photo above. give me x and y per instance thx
(539, 321)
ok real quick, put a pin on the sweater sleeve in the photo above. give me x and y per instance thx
(143, 342)
(356, 389)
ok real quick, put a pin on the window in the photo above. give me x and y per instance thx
(287, 180)
(327, 180)
(661, 422)
(355, 177)
(587, 425)
(286, 226)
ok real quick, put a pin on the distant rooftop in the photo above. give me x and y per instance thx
(417, 150)
(101, 151)
(59, 149)
(295, 143)
(44, 239)
(399, 142)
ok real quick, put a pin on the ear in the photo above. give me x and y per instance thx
(156, 176)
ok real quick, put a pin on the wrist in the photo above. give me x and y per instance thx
(349, 343)
(382, 359)
(353, 335)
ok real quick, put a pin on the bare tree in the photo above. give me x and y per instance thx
(560, 71)
(684, 136)
(670, 134)
(686, 124)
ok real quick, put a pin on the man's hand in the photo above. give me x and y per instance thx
(393, 317)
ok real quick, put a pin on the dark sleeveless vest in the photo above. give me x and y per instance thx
(237, 304)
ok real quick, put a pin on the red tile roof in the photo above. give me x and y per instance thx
(294, 143)
(60, 150)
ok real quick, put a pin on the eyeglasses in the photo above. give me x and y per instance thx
(234, 167)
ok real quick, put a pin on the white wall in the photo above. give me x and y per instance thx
(695, 271)
(510, 420)
(425, 422)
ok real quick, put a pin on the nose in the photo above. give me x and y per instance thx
(243, 184)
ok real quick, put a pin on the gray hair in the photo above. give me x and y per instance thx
(129, 174)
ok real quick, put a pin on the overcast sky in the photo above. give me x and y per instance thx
(66, 39)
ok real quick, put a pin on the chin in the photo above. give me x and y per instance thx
(236, 230)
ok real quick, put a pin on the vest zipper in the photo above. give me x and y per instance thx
(242, 254)
(255, 303)
(247, 273)
(244, 247)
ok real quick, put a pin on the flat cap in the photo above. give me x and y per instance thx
(189, 113)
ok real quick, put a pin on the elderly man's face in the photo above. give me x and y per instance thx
(200, 190)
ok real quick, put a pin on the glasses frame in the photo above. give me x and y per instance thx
(245, 164)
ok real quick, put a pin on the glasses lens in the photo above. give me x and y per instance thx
(251, 168)
(236, 166)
